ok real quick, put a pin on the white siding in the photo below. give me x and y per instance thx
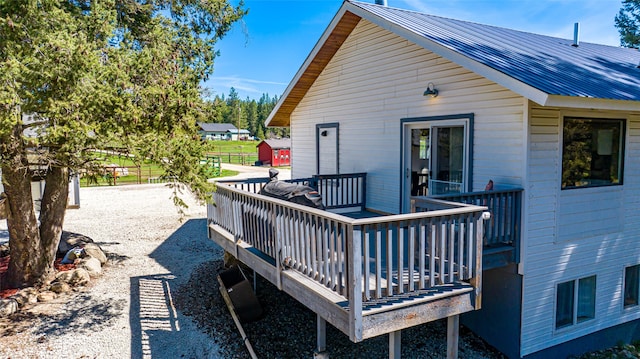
(576, 233)
(375, 80)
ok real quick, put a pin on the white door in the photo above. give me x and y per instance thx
(327, 149)
(435, 158)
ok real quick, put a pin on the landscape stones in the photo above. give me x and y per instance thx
(92, 265)
(60, 287)
(75, 277)
(70, 240)
(47, 296)
(27, 295)
(8, 307)
(93, 250)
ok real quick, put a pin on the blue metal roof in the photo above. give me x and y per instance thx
(217, 127)
(551, 65)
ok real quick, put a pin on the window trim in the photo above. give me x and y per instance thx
(635, 306)
(575, 323)
(623, 145)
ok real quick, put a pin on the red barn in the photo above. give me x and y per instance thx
(275, 152)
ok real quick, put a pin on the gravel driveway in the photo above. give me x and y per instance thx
(129, 310)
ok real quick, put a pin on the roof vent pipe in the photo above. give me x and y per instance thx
(381, 2)
(576, 34)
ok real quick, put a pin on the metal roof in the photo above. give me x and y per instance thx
(217, 127)
(547, 70)
(549, 64)
(277, 143)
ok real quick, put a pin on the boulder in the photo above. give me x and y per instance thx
(27, 295)
(92, 265)
(46, 296)
(70, 240)
(94, 250)
(75, 277)
(8, 307)
(60, 287)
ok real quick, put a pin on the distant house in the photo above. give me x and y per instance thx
(430, 106)
(216, 131)
(276, 152)
(240, 134)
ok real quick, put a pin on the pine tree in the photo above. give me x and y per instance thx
(93, 74)
(628, 23)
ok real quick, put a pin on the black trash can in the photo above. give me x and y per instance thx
(238, 288)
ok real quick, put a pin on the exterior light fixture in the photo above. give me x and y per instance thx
(430, 91)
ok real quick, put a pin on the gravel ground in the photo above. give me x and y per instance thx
(159, 297)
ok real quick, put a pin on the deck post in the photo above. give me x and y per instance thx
(394, 344)
(321, 340)
(453, 324)
(354, 285)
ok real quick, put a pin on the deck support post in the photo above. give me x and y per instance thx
(453, 325)
(394, 344)
(321, 340)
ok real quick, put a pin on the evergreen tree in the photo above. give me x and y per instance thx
(93, 74)
(628, 23)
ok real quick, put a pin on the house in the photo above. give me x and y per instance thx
(459, 104)
(275, 152)
(216, 131)
(238, 135)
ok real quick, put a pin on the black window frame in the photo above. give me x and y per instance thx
(621, 127)
(631, 287)
(574, 305)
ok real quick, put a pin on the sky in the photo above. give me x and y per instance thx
(263, 52)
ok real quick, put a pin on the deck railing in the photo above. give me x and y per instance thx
(505, 207)
(365, 260)
(337, 191)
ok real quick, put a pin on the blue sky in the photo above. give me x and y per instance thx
(263, 52)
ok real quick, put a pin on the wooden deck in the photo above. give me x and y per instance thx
(366, 275)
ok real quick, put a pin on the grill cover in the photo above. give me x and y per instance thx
(295, 193)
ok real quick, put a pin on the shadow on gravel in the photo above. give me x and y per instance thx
(84, 314)
(154, 320)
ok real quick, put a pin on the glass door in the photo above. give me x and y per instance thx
(448, 160)
(435, 158)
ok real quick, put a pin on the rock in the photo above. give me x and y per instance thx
(8, 307)
(70, 240)
(60, 287)
(75, 277)
(4, 249)
(27, 295)
(94, 250)
(92, 265)
(46, 296)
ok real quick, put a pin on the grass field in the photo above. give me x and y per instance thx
(238, 152)
(125, 171)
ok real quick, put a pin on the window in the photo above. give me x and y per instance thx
(575, 301)
(631, 280)
(592, 152)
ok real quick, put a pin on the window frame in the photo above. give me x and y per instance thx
(575, 306)
(621, 148)
(635, 305)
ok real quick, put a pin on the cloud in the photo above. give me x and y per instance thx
(221, 85)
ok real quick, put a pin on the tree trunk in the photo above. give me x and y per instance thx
(24, 238)
(52, 210)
